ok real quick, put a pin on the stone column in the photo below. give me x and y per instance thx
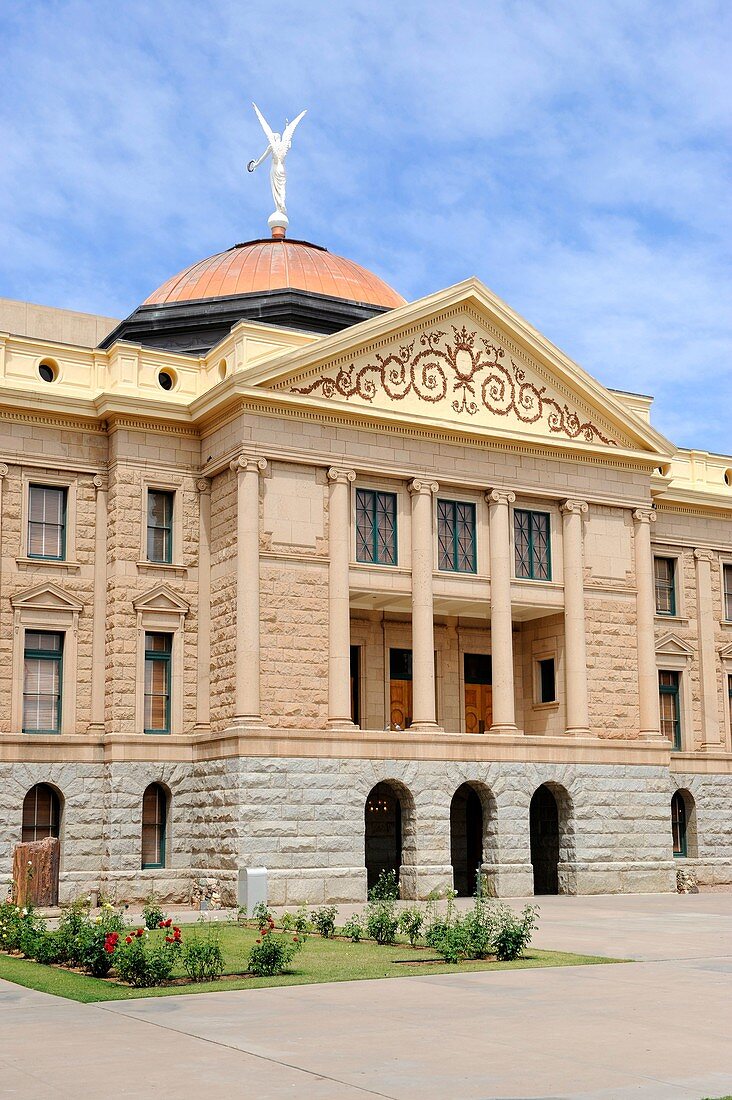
(339, 608)
(504, 706)
(424, 715)
(99, 619)
(3, 475)
(650, 722)
(575, 642)
(247, 707)
(203, 641)
(711, 736)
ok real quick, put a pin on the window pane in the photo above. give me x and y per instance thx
(445, 534)
(154, 809)
(46, 511)
(465, 537)
(365, 518)
(727, 572)
(547, 681)
(159, 525)
(540, 546)
(42, 682)
(521, 530)
(663, 569)
(386, 529)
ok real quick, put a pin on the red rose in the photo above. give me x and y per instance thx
(140, 932)
(169, 939)
(259, 941)
(128, 939)
(109, 948)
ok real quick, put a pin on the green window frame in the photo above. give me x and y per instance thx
(158, 661)
(664, 576)
(679, 825)
(456, 536)
(727, 586)
(47, 522)
(154, 826)
(376, 527)
(160, 504)
(42, 681)
(532, 545)
(669, 693)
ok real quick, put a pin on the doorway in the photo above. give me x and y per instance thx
(478, 679)
(544, 831)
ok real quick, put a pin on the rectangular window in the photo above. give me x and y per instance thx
(157, 682)
(160, 526)
(154, 814)
(356, 684)
(376, 527)
(456, 536)
(42, 676)
(727, 583)
(668, 690)
(729, 699)
(546, 681)
(532, 550)
(664, 572)
(47, 522)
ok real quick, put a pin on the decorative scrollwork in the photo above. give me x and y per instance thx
(441, 370)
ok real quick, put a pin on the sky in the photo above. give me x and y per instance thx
(573, 154)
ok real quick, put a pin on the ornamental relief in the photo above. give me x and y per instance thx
(465, 370)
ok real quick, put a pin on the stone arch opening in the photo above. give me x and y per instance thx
(42, 809)
(155, 834)
(389, 838)
(683, 824)
(472, 837)
(551, 829)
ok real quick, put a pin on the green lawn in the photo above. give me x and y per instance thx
(321, 960)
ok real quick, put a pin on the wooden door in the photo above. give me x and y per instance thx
(478, 708)
(401, 703)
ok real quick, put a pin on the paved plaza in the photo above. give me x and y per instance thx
(654, 1028)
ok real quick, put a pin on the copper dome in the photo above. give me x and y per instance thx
(264, 265)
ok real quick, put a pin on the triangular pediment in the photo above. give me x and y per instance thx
(726, 653)
(45, 597)
(673, 646)
(161, 598)
(463, 359)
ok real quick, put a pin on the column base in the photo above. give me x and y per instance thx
(424, 727)
(577, 731)
(505, 729)
(342, 724)
(248, 722)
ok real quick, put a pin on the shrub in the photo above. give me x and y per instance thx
(410, 923)
(142, 964)
(386, 887)
(72, 933)
(203, 959)
(382, 922)
(272, 954)
(85, 941)
(355, 928)
(287, 922)
(152, 912)
(324, 920)
(301, 924)
(512, 934)
(18, 923)
(48, 949)
(262, 914)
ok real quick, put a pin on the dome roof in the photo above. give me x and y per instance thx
(264, 265)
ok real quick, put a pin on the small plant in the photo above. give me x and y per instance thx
(262, 914)
(16, 924)
(411, 921)
(152, 912)
(324, 920)
(355, 928)
(142, 965)
(287, 922)
(512, 934)
(382, 922)
(203, 959)
(301, 924)
(48, 949)
(272, 954)
(386, 887)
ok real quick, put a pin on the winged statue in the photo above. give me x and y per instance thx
(278, 146)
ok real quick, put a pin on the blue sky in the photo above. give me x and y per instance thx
(574, 155)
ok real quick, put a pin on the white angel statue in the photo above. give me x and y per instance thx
(278, 147)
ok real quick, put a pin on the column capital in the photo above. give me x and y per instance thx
(644, 515)
(3, 470)
(417, 487)
(245, 464)
(100, 483)
(574, 507)
(704, 555)
(500, 496)
(203, 485)
(341, 474)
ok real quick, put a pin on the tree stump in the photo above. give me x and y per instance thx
(35, 872)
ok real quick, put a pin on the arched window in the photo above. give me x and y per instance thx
(154, 822)
(41, 813)
(678, 824)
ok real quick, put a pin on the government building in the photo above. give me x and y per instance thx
(296, 574)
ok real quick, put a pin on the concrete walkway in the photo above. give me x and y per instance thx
(651, 1029)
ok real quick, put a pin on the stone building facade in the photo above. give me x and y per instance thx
(360, 584)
